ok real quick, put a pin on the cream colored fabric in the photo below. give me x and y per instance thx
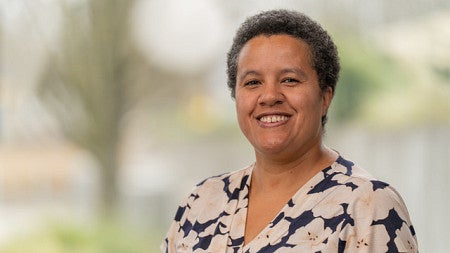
(341, 209)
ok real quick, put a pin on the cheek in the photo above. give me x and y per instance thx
(243, 111)
(240, 109)
(243, 103)
(238, 105)
(309, 106)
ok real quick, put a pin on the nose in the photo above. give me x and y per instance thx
(270, 95)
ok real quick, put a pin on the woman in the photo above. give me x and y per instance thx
(299, 195)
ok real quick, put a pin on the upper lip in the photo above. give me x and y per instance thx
(260, 115)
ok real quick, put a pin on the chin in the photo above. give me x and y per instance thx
(271, 148)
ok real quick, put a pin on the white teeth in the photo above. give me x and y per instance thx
(273, 118)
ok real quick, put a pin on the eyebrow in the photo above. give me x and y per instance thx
(297, 71)
(246, 73)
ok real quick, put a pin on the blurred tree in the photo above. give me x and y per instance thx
(365, 72)
(97, 77)
(85, 83)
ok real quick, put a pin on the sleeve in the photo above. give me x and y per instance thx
(180, 226)
(168, 244)
(164, 246)
(379, 221)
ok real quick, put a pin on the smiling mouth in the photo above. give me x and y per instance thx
(273, 118)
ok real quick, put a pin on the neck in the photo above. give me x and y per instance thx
(273, 173)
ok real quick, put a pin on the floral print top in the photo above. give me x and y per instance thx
(340, 209)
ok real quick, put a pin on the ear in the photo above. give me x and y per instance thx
(327, 96)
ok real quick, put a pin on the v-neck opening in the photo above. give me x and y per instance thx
(288, 206)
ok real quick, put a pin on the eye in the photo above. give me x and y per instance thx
(252, 83)
(290, 81)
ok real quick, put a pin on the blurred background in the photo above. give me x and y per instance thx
(111, 111)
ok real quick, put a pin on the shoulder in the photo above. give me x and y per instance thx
(213, 193)
(224, 182)
(206, 205)
(236, 175)
(375, 211)
(363, 188)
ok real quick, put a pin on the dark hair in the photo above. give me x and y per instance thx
(325, 58)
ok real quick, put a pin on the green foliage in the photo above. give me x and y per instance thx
(70, 238)
(365, 72)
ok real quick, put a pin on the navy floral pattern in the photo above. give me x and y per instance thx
(341, 209)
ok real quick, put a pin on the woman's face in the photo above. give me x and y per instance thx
(279, 102)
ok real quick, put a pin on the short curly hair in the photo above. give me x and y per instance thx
(325, 59)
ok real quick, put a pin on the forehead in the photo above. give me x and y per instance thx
(271, 49)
